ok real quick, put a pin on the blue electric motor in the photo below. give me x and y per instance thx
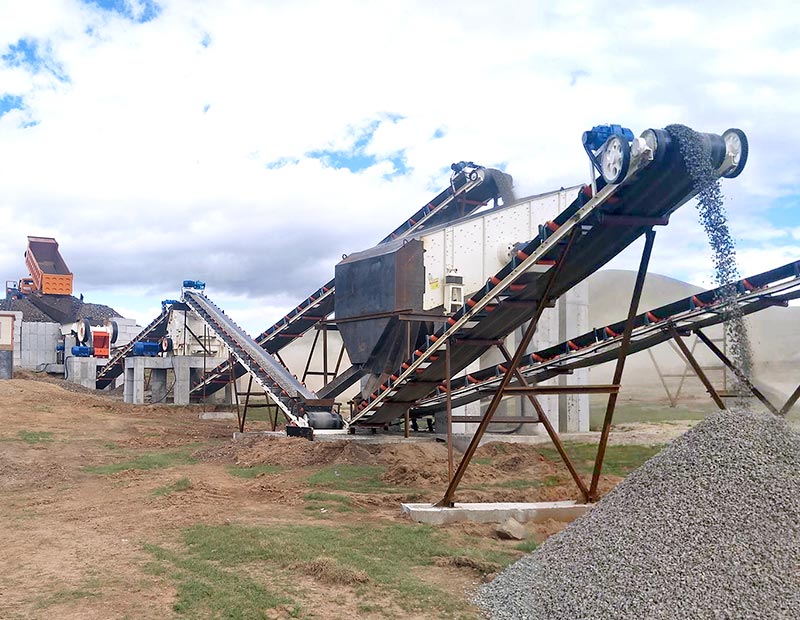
(195, 284)
(82, 351)
(146, 349)
(597, 135)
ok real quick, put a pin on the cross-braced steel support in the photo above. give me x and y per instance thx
(698, 370)
(455, 479)
(743, 380)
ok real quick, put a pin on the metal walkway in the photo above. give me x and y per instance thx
(283, 388)
(469, 190)
(755, 293)
(584, 237)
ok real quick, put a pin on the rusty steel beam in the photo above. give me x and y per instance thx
(449, 391)
(650, 236)
(790, 402)
(696, 366)
(739, 374)
(447, 500)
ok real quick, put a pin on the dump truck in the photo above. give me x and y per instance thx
(50, 273)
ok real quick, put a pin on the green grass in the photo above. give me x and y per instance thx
(35, 436)
(211, 579)
(206, 590)
(619, 460)
(253, 471)
(155, 460)
(353, 478)
(627, 412)
(183, 484)
(319, 501)
(526, 546)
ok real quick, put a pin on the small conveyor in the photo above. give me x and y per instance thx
(772, 288)
(294, 398)
(597, 226)
(116, 364)
(470, 188)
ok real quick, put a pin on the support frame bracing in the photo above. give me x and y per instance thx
(514, 374)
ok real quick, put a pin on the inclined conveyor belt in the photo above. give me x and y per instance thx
(283, 387)
(468, 191)
(772, 288)
(656, 184)
(116, 364)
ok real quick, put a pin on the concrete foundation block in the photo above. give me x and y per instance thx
(495, 512)
(217, 415)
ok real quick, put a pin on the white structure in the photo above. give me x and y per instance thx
(476, 248)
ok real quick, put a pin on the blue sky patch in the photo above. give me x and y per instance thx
(10, 102)
(140, 11)
(29, 54)
(356, 158)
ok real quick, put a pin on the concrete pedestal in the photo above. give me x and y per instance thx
(6, 364)
(83, 370)
(185, 368)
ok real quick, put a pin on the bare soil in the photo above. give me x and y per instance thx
(72, 540)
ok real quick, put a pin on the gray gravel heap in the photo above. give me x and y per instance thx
(708, 528)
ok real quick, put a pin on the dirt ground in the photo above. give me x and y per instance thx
(77, 539)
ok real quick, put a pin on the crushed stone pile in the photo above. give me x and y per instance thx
(708, 528)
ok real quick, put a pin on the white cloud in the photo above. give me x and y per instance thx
(150, 163)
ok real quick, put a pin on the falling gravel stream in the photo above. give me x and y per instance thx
(713, 217)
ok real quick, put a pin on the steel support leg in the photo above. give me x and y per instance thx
(790, 403)
(447, 500)
(696, 367)
(739, 374)
(243, 419)
(650, 237)
(449, 391)
(553, 434)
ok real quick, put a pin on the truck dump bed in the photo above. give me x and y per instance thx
(50, 273)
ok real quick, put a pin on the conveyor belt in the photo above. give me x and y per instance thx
(468, 191)
(116, 364)
(765, 290)
(284, 389)
(651, 189)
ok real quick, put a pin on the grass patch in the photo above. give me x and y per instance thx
(206, 590)
(110, 445)
(322, 502)
(253, 471)
(619, 460)
(208, 569)
(353, 478)
(485, 460)
(156, 460)
(35, 436)
(627, 412)
(526, 546)
(183, 484)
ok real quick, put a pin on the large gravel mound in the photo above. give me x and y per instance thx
(709, 528)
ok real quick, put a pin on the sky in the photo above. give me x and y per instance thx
(251, 143)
